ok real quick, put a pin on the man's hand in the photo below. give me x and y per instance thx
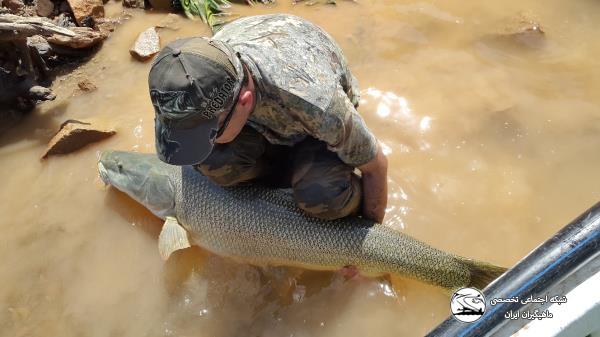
(374, 185)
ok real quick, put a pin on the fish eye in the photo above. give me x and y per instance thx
(120, 167)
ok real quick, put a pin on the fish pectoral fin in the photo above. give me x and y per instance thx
(172, 237)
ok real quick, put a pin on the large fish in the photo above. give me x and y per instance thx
(263, 226)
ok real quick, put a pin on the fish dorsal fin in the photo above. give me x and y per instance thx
(172, 237)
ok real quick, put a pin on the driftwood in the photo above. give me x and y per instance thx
(14, 27)
(84, 37)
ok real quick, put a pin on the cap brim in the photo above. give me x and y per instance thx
(185, 146)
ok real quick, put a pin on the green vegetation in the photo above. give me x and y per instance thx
(215, 14)
(211, 12)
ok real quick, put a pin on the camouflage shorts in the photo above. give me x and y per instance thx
(323, 185)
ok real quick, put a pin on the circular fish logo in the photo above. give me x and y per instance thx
(467, 305)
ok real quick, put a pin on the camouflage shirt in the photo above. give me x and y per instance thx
(303, 85)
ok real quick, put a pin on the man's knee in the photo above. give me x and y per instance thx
(329, 201)
(225, 175)
(235, 162)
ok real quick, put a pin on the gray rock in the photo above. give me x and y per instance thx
(65, 20)
(44, 7)
(39, 43)
(146, 45)
(40, 93)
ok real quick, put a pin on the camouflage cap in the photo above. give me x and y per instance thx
(192, 82)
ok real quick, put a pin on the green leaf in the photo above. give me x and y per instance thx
(207, 10)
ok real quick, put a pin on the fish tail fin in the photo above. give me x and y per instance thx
(482, 273)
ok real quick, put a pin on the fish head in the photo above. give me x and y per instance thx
(143, 177)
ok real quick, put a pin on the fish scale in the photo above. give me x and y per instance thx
(263, 226)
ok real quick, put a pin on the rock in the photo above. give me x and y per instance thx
(86, 8)
(87, 21)
(107, 25)
(41, 45)
(40, 93)
(41, 52)
(85, 37)
(170, 21)
(73, 135)
(86, 85)
(15, 6)
(146, 45)
(134, 3)
(44, 7)
(64, 20)
(21, 91)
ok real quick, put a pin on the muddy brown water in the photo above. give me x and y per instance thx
(493, 144)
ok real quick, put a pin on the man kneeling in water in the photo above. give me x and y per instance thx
(270, 98)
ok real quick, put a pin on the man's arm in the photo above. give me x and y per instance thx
(374, 185)
(345, 131)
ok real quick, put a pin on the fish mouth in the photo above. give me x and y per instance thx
(103, 173)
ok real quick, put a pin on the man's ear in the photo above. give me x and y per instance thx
(246, 97)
